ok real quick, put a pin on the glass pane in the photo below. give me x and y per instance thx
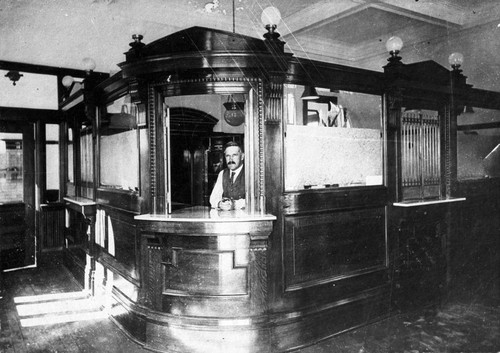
(11, 167)
(333, 141)
(119, 153)
(86, 155)
(200, 127)
(119, 161)
(41, 90)
(71, 157)
(52, 159)
(478, 140)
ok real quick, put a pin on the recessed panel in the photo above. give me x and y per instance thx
(324, 247)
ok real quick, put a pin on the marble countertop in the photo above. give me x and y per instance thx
(206, 214)
(81, 201)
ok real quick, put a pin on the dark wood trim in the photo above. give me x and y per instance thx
(30, 115)
(481, 98)
(110, 262)
(469, 127)
(119, 199)
(308, 201)
(42, 69)
(319, 74)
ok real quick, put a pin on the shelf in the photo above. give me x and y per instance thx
(427, 202)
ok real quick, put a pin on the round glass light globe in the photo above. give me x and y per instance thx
(456, 59)
(67, 81)
(270, 16)
(88, 64)
(137, 28)
(394, 44)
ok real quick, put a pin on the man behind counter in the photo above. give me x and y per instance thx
(229, 189)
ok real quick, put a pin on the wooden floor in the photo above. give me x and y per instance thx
(468, 323)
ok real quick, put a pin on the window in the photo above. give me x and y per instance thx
(71, 157)
(86, 161)
(333, 141)
(52, 162)
(420, 154)
(119, 152)
(199, 127)
(41, 90)
(478, 144)
(11, 167)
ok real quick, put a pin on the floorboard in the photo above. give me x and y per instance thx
(469, 322)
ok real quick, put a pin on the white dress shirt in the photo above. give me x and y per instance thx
(217, 191)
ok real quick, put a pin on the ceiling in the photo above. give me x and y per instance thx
(352, 32)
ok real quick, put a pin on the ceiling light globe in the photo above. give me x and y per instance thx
(88, 64)
(270, 16)
(394, 44)
(137, 29)
(67, 81)
(456, 59)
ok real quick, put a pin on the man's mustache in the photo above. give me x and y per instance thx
(228, 163)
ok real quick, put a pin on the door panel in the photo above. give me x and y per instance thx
(17, 196)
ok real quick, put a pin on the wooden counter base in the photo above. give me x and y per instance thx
(204, 283)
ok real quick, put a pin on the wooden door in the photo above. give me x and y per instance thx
(17, 196)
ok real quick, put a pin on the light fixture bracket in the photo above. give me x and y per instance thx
(14, 76)
(394, 59)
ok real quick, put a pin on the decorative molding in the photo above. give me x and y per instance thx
(154, 278)
(260, 142)
(179, 280)
(136, 90)
(258, 274)
(152, 145)
(167, 80)
(448, 111)
(274, 102)
(394, 103)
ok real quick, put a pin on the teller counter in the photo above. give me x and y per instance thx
(204, 275)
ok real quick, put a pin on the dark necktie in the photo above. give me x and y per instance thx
(232, 177)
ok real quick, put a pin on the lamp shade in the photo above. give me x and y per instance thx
(456, 59)
(270, 16)
(235, 113)
(88, 64)
(67, 81)
(309, 93)
(394, 44)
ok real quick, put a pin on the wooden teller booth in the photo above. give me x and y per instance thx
(351, 191)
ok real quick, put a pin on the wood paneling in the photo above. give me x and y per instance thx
(12, 235)
(419, 257)
(209, 276)
(294, 332)
(474, 242)
(198, 272)
(323, 247)
(51, 227)
(335, 199)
